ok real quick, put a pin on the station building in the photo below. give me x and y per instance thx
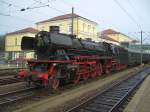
(105, 38)
(114, 37)
(13, 44)
(82, 27)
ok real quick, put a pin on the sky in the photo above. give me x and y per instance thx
(126, 16)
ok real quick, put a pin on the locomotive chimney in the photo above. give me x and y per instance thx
(54, 29)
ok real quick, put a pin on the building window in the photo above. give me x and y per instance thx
(69, 27)
(42, 28)
(93, 30)
(83, 26)
(16, 41)
(89, 28)
(60, 27)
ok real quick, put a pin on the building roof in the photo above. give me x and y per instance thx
(135, 41)
(108, 38)
(25, 30)
(109, 31)
(62, 17)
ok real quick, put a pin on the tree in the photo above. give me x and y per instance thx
(2, 43)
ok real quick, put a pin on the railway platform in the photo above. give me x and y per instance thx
(141, 100)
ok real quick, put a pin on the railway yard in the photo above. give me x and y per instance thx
(72, 75)
(80, 58)
(115, 92)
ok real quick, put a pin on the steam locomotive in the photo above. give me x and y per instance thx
(63, 58)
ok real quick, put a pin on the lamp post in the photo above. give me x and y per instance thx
(72, 20)
(141, 47)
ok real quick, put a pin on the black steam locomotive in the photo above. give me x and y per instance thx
(63, 58)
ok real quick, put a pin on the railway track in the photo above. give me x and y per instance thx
(9, 80)
(9, 71)
(6, 69)
(16, 95)
(112, 98)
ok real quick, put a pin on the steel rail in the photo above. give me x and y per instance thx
(14, 96)
(10, 80)
(112, 97)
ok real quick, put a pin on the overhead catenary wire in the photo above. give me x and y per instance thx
(21, 18)
(85, 12)
(20, 8)
(134, 34)
(40, 2)
(128, 14)
(2, 14)
(28, 8)
(71, 5)
(9, 4)
(134, 9)
(50, 6)
(57, 9)
(3, 25)
(147, 36)
(23, 9)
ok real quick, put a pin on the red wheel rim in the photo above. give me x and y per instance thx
(55, 83)
(77, 79)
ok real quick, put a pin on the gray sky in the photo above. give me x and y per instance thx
(107, 13)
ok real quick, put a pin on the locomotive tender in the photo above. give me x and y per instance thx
(62, 58)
